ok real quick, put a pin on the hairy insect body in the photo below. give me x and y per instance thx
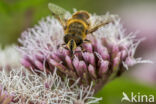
(76, 26)
(75, 31)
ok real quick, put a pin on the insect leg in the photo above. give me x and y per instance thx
(61, 45)
(82, 49)
(87, 41)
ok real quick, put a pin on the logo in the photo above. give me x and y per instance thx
(137, 97)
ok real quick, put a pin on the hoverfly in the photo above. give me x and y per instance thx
(76, 26)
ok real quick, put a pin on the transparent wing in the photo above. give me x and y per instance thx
(58, 11)
(103, 19)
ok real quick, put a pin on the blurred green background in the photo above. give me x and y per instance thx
(18, 15)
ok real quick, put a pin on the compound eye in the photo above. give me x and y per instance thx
(78, 40)
(66, 38)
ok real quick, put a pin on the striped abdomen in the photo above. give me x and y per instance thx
(76, 27)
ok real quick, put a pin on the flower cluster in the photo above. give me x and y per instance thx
(19, 86)
(9, 57)
(110, 51)
(5, 98)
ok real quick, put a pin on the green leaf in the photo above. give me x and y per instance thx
(112, 92)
